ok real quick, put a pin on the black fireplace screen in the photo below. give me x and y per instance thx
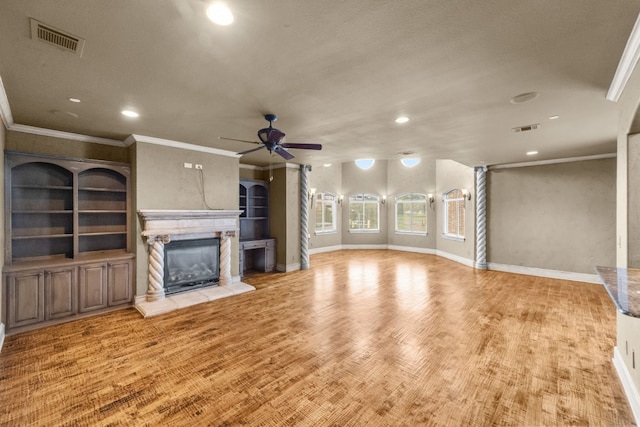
(190, 264)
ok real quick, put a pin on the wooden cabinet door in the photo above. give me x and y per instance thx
(120, 282)
(93, 287)
(60, 293)
(270, 256)
(25, 298)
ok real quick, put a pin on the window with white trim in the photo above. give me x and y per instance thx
(453, 203)
(364, 213)
(411, 214)
(325, 213)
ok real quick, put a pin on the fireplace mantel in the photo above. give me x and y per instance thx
(162, 226)
(188, 222)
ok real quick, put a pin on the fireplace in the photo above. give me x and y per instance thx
(191, 264)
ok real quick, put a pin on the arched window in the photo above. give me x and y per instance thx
(364, 213)
(325, 213)
(453, 204)
(411, 213)
(365, 163)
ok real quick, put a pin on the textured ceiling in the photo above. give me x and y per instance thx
(335, 73)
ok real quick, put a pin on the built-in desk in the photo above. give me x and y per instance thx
(623, 286)
(257, 255)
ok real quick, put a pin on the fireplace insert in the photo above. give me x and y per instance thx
(191, 264)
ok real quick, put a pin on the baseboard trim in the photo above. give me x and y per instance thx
(285, 268)
(325, 249)
(627, 383)
(365, 246)
(456, 258)
(543, 272)
(427, 251)
(1, 335)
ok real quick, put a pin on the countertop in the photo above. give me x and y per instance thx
(623, 286)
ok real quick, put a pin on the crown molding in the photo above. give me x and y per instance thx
(626, 65)
(64, 135)
(554, 161)
(266, 168)
(177, 144)
(5, 109)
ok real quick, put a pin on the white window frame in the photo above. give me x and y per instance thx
(455, 201)
(411, 203)
(363, 202)
(320, 204)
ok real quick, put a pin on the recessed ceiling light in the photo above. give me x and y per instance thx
(220, 14)
(554, 117)
(531, 153)
(326, 165)
(524, 97)
(130, 113)
(76, 100)
(402, 119)
(407, 153)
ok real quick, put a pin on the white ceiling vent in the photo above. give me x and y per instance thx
(526, 128)
(50, 35)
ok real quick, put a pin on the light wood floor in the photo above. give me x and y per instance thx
(363, 338)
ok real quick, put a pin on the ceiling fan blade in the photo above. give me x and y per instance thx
(239, 140)
(251, 151)
(302, 146)
(283, 153)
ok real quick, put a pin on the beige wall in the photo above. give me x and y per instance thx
(557, 217)
(326, 180)
(39, 144)
(418, 179)
(278, 214)
(354, 181)
(284, 209)
(250, 172)
(633, 171)
(163, 183)
(453, 175)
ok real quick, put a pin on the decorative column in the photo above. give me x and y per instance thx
(304, 216)
(225, 257)
(156, 244)
(481, 217)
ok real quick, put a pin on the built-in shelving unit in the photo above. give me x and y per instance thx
(66, 219)
(257, 249)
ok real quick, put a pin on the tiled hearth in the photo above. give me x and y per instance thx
(163, 226)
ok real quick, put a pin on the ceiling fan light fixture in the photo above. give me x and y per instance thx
(220, 14)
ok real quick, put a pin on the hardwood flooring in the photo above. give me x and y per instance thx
(363, 338)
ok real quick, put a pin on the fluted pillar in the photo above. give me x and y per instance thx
(225, 258)
(304, 216)
(156, 244)
(481, 217)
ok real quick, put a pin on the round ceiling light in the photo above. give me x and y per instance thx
(524, 97)
(130, 113)
(76, 100)
(531, 153)
(220, 14)
(402, 119)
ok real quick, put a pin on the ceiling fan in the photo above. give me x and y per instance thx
(272, 140)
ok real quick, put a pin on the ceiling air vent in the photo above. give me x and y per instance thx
(526, 128)
(53, 36)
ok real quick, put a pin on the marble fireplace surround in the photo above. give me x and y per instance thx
(163, 226)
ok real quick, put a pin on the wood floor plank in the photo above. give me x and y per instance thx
(362, 338)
